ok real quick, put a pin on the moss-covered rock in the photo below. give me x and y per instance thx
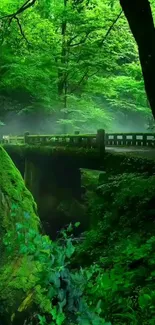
(13, 191)
(14, 197)
(89, 178)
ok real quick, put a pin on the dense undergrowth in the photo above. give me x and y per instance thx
(55, 294)
(121, 246)
(110, 277)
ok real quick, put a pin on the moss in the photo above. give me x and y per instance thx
(117, 163)
(13, 286)
(81, 157)
(88, 158)
(13, 187)
(18, 280)
(48, 150)
(90, 178)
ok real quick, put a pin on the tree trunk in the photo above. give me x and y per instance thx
(62, 74)
(139, 16)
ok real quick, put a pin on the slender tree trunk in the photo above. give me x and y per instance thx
(62, 74)
(139, 16)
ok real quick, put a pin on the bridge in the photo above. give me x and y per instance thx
(66, 153)
(143, 144)
(51, 164)
(98, 140)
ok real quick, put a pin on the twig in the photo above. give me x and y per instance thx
(21, 30)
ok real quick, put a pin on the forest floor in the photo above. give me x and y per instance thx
(134, 151)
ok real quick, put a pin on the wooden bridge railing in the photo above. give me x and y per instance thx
(130, 139)
(62, 140)
(99, 140)
(74, 140)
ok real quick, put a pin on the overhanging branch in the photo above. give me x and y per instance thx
(10, 17)
(110, 28)
(25, 6)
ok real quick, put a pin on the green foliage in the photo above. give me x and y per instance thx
(56, 291)
(119, 251)
(116, 163)
(66, 64)
(89, 178)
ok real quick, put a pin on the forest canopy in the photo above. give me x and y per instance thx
(74, 63)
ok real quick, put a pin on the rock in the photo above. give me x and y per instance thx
(89, 178)
(15, 203)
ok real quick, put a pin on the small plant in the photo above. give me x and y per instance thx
(56, 290)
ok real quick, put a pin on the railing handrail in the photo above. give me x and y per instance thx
(96, 141)
(99, 140)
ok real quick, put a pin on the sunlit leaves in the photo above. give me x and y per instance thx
(101, 68)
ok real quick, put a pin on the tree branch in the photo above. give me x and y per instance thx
(21, 30)
(82, 41)
(25, 6)
(110, 28)
(85, 75)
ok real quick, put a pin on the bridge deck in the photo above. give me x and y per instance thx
(135, 144)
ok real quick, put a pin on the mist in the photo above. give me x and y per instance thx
(40, 124)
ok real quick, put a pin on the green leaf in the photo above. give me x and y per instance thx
(77, 224)
(42, 320)
(69, 249)
(144, 300)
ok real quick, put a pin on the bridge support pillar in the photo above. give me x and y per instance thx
(32, 178)
(100, 141)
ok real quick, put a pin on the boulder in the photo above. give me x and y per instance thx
(16, 205)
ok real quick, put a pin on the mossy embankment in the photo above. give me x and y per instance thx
(12, 187)
(16, 204)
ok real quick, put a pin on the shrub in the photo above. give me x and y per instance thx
(119, 252)
(53, 291)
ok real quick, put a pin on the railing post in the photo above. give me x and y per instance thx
(26, 134)
(100, 141)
